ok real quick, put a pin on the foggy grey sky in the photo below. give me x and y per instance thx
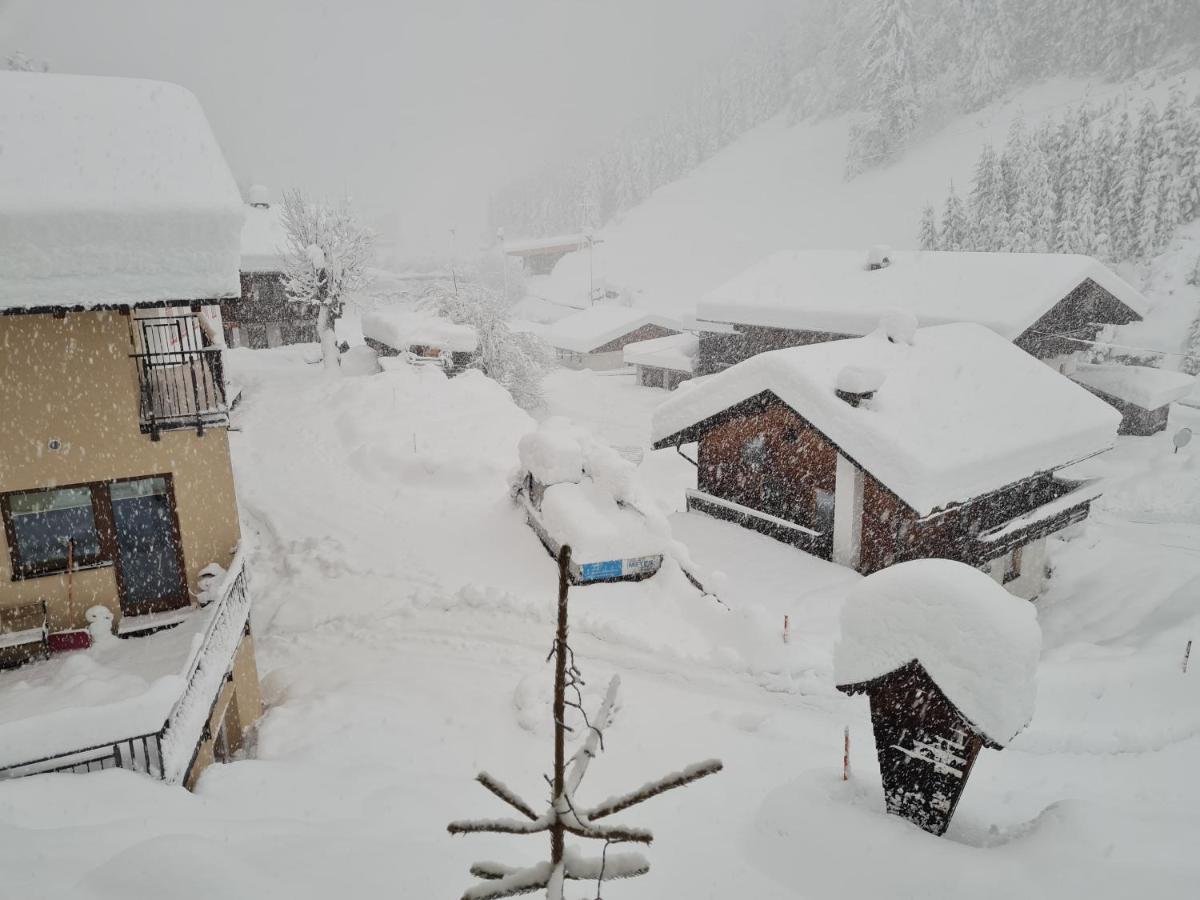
(417, 107)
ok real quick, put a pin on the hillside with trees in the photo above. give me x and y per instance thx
(900, 68)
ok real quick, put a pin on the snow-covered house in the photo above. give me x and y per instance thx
(1051, 305)
(869, 451)
(119, 228)
(1143, 395)
(262, 316)
(664, 362)
(540, 255)
(422, 336)
(595, 338)
(948, 660)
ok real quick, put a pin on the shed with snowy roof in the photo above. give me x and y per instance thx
(664, 362)
(1143, 395)
(948, 660)
(874, 450)
(1051, 305)
(540, 255)
(596, 337)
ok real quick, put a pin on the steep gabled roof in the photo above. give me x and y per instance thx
(584, 331)
(113, 191)
(961, 411)
(834, 291)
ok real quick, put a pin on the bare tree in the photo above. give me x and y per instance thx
(325, 259)
(564, 815)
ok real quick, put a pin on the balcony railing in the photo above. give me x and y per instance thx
(181, 382)
(170, 753)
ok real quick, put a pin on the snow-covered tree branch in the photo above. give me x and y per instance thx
(563, 815)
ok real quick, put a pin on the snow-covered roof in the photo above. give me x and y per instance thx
(555, 242)
(979, 643)
(402, 328)
(676, 352)
(113, 191)
(264, 240)
(960, 412)
(584, 331)
(834, 291)
(1142, 386)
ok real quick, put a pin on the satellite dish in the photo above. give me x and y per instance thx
(1182, 438)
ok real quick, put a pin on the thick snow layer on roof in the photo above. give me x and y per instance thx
(675, 351)
(833, 290)
(961, 411)
(264, 240)
(112, 191)
(402, 328)
(584, 331)
(527, 245)
(1142, 386)
(978, 642)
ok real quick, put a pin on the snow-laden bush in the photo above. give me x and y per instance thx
(514, 359)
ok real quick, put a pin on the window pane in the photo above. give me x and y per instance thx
(44, 521)
(143, 487)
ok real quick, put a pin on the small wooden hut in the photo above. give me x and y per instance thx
(947, 659)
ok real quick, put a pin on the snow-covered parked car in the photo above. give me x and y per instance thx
(576, 491)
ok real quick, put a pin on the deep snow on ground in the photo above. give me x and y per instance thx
(404, 612)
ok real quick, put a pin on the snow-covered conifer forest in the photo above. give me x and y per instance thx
(399, 400)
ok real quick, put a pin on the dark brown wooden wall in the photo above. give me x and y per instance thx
(1081, 314)
(797, 461)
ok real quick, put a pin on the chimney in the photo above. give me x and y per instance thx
(879, 256)
(858, 383)
(259, 197)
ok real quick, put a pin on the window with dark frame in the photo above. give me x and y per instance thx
(50, 531)
(51, 528)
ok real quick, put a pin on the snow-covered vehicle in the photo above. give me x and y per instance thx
(579, 492)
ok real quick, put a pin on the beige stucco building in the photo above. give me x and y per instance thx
(117, 497)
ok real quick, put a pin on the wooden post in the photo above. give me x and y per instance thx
(557, 832)
(1186, 653)
(846, 754)
(786, 636)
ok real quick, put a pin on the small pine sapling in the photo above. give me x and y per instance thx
(564, 815)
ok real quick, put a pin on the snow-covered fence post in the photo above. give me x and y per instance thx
(846, 754)
(564, 814)
(1187, 651)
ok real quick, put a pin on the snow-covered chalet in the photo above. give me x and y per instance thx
(944, 442)
(595, 338)
(1054, 306)
(119, 238)
(262, 316)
